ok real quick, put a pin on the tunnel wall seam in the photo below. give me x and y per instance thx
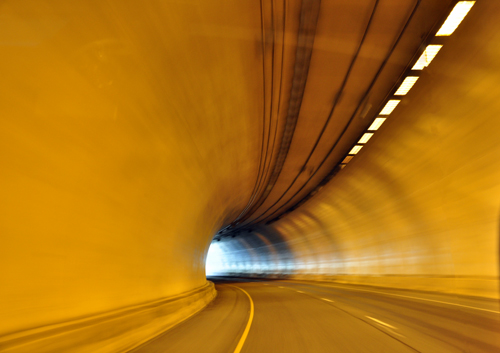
(114, 331)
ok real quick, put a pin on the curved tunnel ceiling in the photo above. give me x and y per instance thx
(132, 132)
(418, 208)
(328, 68)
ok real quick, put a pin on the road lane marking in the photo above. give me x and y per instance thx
(404, 296)
(328, 300)
(387, 326)
(380, 322)
(395, 333)
(299, 291)
(249, 323)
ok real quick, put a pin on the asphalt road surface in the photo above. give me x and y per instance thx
(293, 316)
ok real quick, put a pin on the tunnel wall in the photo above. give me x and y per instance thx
(419, 206)
(120, 158)
(113, 331)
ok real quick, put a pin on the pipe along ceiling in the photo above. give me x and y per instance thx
(137, 135)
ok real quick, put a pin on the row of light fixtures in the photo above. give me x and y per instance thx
(450, 24)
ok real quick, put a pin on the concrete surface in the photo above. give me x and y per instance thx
(112, 331)
(292, 316)
(131, 132)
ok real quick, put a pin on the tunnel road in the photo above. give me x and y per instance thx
(295, 316)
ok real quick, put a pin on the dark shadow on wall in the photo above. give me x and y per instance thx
(285, 258)
(335, 247)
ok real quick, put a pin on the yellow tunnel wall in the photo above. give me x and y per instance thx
(120, 152)
(130, 133)
(419, 206)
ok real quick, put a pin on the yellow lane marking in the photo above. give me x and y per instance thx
(249, 323)
(328, 300)
(404, 296)
(380, 322)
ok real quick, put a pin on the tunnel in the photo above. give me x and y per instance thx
(249, 176)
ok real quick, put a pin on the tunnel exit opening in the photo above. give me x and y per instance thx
(215, 263)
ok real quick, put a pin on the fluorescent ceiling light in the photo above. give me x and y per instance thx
(389, 107)
(406, 85)
(347, 159)
(365, 137)
(455, 17)
(425, 59)
(376, 124)
(355, 149)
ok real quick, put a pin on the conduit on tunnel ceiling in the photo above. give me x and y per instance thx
(327, 70)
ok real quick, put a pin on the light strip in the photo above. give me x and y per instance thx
(389, 107)
(347, 159)
(355, 149)
(455, 17)
(376, 124)
(425, 59)
(365, 137)
(406, 85)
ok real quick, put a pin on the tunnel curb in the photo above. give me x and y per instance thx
(114, 331)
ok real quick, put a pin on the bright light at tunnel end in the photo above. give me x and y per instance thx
(214, 264)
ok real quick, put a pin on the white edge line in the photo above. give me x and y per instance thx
(404, 296)
(380, 322)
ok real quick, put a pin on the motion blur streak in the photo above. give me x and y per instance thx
(135, 134)
(298, 316)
